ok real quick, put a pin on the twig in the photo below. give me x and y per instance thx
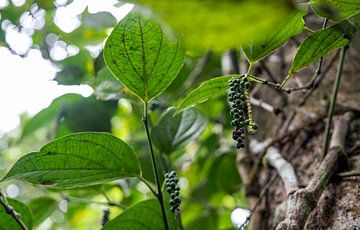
(349, 174)
(265, 106)
(284, 169)
(9, 210)
(333, 101)
(303, 201)
(87, 201)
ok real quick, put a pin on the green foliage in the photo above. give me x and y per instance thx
(77, 160)
(99, 20)
(106, 86)
(259, 50)
(45, 116)
(207, 90)
(143, 216)
(336, 10)
(42, 208)
(238, 22)
(8, 222)
(173, 132)
(142, 56)
(317, 45)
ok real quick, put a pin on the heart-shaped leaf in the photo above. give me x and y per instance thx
(173, 132)
(293, 26)
(143, 216)
(208, 89)
(77, 160)
(317, 45)
(8, 222)
(142, 56)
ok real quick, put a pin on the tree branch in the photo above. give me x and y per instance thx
(284, 168)
(303, 201)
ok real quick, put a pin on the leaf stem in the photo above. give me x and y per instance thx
(148, 185)
(333, 101)
(9, 210)
(159, 193)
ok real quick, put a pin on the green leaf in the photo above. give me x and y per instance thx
(106, 86)
(221, 25)
(336, 10)
(293, 26)
(208, 89)
(317, 45)
(143, 216)
(77, 160)
(8, 222)
(99, 20)
(173, 132)
(142, 56)
(50, 113)
(42, 208)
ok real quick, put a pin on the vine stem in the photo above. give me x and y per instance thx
(333, 100)
(159, 194)
(9, 210)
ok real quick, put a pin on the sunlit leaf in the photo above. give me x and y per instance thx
(173, 132)
(317, 45)
(336, 10)
(77, 160)
(220, 25)
(142, 56)
(42, 208)
(143, 216)
(259, 50)
(7, 222)
(209, 89)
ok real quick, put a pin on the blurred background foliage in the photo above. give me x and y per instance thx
(204, 159)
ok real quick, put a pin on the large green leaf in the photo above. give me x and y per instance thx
(50, 113)
(259, 50)
(219, 25)
(42, 208)
(173, 132)
(317, 45)
(208, 89)
(7, 222)
(336, 10)
(142, 56)
(77, 160)
(145, 215)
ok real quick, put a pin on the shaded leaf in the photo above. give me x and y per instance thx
(220, 25)
(142, 56)
(208, 89)
(143, 216)
(336, 10)
(317, 45)
(173, 132)
(99, 20)
(259, 50)
(106, 86)
(50, 113)
(77, 160)
(8, 222)
(224, 165)
(42, 208)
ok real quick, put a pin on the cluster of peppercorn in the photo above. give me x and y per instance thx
(241, 110)
(172, 187)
